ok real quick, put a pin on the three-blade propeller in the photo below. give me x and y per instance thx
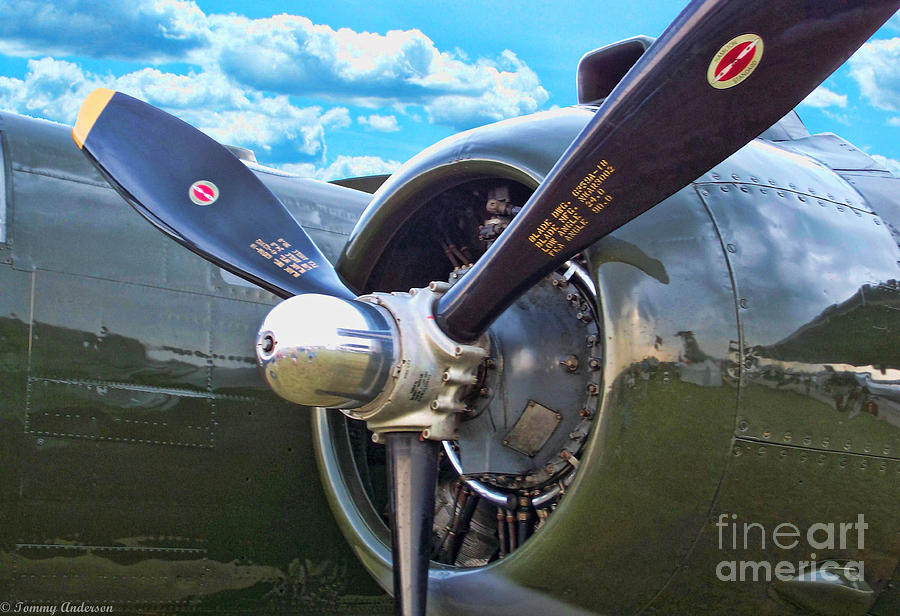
(722, 73)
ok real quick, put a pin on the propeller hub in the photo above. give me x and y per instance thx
(319, 350)
(380, 358)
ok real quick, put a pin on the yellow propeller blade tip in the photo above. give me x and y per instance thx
(90, 110)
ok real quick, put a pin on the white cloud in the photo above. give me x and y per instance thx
(283, 54)
(508, 90)
(291, 55)
(895, 121)
(876, 68)
(383, 123)
(822, 97)
(152, 30)
(279, 130)
(891, 164)
(52, 89)
(345, 167)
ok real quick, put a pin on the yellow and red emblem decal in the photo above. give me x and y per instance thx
(735, 61)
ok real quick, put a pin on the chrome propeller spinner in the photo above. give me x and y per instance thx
(380, 358)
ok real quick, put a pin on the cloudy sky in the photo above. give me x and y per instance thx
(341, 88)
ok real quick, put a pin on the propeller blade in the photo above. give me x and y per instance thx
(412, 477)
(721, 74)
(195, 190)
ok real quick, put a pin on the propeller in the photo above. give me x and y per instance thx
(194, 190)
(723, 72)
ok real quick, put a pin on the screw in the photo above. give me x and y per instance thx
(594, 363)
(592, 389)
(484, 392)
(586, 413)
(570, 362)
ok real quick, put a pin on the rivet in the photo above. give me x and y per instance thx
(767, 434)
(745, 189)
(731, 248)
(754, 179)
(735, 176)
(787, 436)
(877, 222)
(743, 425)
(802, 199)
(715, 176)
(705, 193)
(723, 188)
(780, 194)
(763, 191)
(744, 303)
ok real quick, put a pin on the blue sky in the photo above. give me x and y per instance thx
(354, 87)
